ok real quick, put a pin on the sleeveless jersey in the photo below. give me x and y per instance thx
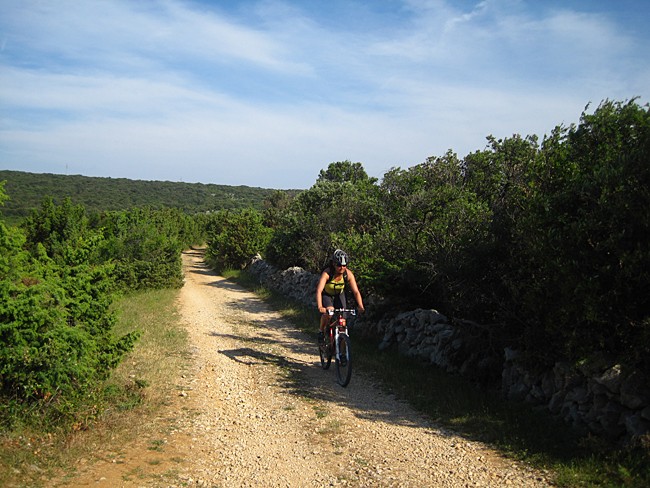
(334, 288)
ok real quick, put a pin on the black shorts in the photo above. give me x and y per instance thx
(337, 301)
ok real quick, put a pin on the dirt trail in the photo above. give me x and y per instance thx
(258, 411)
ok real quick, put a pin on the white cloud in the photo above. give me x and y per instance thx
(153, 89)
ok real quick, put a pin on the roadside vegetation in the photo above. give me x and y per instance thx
(64, 278)
(34, 451)
(543, 241)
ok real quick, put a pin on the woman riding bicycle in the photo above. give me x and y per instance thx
(330, 291)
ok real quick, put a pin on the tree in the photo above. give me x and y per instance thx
(53, 225)
(345, 171)
(584, 256)
(274, 206)
(236, 237)
(431, 233)
(342, 201)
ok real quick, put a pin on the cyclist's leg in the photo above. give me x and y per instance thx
(328, 303)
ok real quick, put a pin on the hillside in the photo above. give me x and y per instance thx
(26, 191)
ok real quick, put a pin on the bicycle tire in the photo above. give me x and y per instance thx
(344, 361)
(325, 353)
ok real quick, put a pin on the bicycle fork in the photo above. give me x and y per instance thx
(339, 328)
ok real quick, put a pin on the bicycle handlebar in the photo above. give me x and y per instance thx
(352, 311)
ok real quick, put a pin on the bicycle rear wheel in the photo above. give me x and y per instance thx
(325, 352)
(343, 361)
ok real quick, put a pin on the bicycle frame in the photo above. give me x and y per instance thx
(337, 326)
(337, 345)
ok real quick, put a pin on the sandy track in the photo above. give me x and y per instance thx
(257, 410)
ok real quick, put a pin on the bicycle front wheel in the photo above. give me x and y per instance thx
(343, 361)
(325, 355)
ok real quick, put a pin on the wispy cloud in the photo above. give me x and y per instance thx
(268, 93)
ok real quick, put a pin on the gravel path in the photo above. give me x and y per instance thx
(258, 411)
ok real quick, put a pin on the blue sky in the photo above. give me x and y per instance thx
(267, 93)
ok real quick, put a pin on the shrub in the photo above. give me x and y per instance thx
(235, 237)
(56, 338)
(55, 331)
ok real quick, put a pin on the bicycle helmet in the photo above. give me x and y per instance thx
(339, 258)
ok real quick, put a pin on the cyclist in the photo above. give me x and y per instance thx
(330, 291)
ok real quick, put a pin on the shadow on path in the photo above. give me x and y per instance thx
(305, 379)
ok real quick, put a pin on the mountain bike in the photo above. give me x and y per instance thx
(337, 344)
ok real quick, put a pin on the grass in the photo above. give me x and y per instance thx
(516, 430)
(321, 411)
(31, 454)
(156, 445)
(331, 429)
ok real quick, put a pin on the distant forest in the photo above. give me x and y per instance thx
(27, 190)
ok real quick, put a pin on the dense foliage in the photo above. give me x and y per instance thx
(59, 272)
(103, 194)
(341, 206)
(55, 324)
(546, 243)
(145, 245)
(234, 237)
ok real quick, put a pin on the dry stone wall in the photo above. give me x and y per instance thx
(599, 398)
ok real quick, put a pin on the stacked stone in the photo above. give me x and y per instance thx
(598, 398)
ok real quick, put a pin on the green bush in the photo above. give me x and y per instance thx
(55, 328)
(57, 276)
(343, 200)
(580, 271)
(236, 236)
(145, 245)
(433, 231)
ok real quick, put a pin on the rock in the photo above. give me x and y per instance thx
(578, 395)
(535, 395)
(383, 345)
(433, 329)
(556, 402)
(510, 354)
(517, 392)
(636, 425)
(611, 379)
(645, 413)
(634, 391)
(403, 317)
(548, 385)
(610, 420)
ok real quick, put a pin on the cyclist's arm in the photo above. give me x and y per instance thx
(352, 281)
(319, 291)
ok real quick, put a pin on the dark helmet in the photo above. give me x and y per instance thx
(339, 258)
